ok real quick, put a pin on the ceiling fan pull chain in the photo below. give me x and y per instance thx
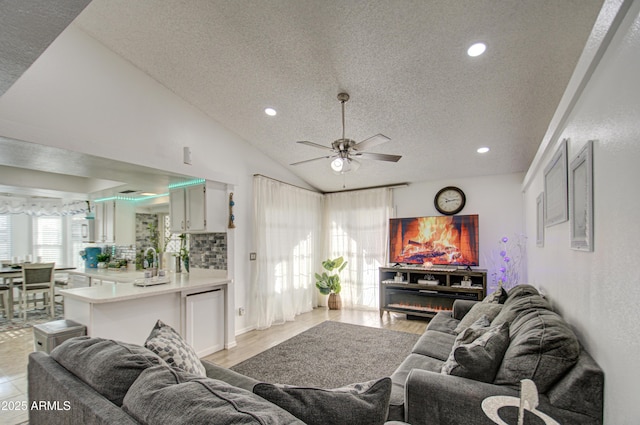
(343, 119)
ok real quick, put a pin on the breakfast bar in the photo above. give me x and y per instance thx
(199, 305)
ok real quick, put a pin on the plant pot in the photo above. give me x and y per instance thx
(322, 300)
(335, 302)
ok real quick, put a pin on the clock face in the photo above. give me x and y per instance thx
(449, 200)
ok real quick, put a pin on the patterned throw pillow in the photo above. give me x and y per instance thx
(169, 345)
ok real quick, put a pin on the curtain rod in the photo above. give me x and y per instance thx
(392, 186)
(288, 184)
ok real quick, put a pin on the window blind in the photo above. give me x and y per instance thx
(5, 237)
(47, 235)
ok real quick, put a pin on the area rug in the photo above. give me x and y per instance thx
(34, 317)
(331, 355)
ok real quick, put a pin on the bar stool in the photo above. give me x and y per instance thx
(4, 300)
(37, 278)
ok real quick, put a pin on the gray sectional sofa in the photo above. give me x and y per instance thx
(539, 346)
(97, 381)
(484, 348)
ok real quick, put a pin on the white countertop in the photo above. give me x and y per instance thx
(126, 290)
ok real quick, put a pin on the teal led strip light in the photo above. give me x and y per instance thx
(144, 198)
(130, 198)
(187, 183)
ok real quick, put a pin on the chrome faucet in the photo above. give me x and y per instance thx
(154, 266)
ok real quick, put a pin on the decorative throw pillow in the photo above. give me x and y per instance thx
(169, 345)
(490, 310)
(499, 296)
(479, 359)
(164, 395)
(109, 367)
(357, 404)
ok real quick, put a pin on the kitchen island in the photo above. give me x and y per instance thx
(198, 304)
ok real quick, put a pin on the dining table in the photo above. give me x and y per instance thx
(8, 273)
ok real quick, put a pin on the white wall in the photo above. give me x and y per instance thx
(598, 292)
(81, 96)
(496, 199)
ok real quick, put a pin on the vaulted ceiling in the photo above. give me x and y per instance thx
(404, 64)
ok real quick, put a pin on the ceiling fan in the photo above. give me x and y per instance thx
(345, 151)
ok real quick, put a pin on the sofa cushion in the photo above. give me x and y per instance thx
(542, 349)
(443, 322)
(357, 404)
(479, 359)
(522, 290)
(515, 307)
(434, 344)
(169, 345)
(490, 310)
(499, 296)
(164, 395)
(109, 367)
(399, 377)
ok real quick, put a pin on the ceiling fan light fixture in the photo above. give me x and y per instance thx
(337, 165)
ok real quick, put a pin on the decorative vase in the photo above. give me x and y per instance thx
(335, 302)
(178, 265)
(186, 265)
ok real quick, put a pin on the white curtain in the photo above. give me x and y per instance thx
(287, 231)
(356, 226)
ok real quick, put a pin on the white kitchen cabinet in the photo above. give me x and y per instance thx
(198, 209)
(116, 222)
(205, 316)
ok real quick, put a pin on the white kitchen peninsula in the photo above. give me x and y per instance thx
(196, 304)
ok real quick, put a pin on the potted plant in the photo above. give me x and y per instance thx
(183, 254)
(329, 283)
(103, 259)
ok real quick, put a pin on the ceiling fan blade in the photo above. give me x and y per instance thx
(315, 145)
(314, 159)
(378, 156)
(372, 141)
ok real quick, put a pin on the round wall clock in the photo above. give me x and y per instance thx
(449, 200)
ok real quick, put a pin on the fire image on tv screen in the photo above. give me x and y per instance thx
(441, 240)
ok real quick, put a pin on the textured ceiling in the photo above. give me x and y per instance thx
(404, 64)
(27, 27)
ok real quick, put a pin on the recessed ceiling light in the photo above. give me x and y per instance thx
(270, 111)
(476, 49)
(483, 150)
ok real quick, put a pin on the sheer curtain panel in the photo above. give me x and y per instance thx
(356, 227)
(287, 230)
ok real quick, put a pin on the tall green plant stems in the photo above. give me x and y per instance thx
(330, 283)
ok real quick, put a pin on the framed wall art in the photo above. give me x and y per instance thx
(540, 220)
(556, 206)
(581, 199)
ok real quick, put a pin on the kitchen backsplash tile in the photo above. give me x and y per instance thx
(208, 251)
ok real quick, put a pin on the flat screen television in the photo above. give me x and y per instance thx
(439, 240)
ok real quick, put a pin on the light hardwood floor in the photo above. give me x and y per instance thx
(15, 347)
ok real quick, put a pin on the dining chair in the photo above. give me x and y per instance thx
(37, 278)
(4, 300)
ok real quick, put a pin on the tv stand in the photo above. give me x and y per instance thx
(424, 291)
